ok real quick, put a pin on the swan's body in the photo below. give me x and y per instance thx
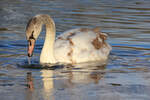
(73, 46)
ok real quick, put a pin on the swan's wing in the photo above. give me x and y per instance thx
(81, 45)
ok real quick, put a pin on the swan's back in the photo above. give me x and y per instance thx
(81, 45)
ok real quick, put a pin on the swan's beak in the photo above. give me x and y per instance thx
(31, 44)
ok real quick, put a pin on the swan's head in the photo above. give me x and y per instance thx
(33, 30)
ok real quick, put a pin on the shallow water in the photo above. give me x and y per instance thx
(125, 77)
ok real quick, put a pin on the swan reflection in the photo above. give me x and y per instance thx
(48, 84)
(58, 82)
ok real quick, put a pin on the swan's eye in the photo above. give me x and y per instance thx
(32, 37)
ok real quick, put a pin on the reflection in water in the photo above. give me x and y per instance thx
(70, 78)
(30, 81)
(48, 84)
(30, 86)
(86, 74)
(96, 76)
(29, 95)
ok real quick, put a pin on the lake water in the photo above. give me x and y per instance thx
(125, 77)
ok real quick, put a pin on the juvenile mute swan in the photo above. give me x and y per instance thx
(73, 46)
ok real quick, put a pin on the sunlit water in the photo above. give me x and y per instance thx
(125, 77)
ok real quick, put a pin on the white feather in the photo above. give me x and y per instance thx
(82, 48)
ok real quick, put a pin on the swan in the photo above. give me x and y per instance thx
(71, 47)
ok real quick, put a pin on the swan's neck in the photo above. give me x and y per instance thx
(47, 53)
